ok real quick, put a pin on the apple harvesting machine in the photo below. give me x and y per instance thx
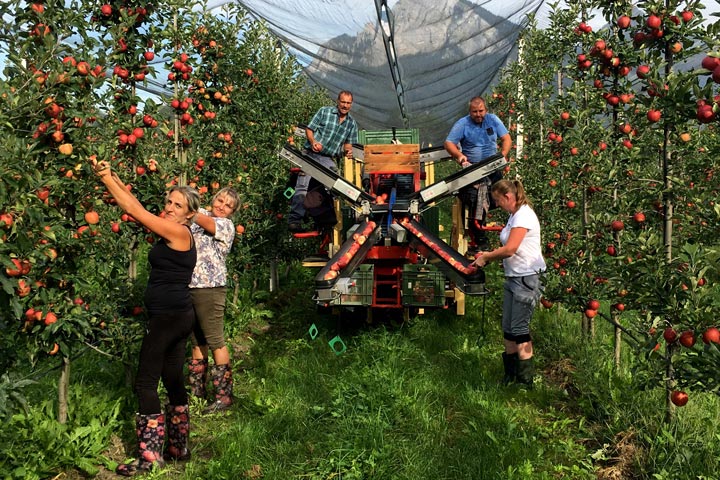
(390, 257)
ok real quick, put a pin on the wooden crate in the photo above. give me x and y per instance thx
(382, 158)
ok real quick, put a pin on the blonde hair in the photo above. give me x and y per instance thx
(502, 187)
(191, 196)
(231, 193)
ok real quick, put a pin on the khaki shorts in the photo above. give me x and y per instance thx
(209, 306)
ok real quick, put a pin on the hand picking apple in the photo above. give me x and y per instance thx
(100, 166)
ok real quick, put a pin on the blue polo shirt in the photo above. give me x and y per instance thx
(477, 141)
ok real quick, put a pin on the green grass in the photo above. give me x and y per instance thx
(417, 401)
(420, 400)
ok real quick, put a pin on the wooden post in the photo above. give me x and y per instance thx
(457, 236)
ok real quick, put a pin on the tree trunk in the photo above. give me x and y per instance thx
(670, 383)
(618, 342)
(273, 276)
(63, 389)
(236, 292)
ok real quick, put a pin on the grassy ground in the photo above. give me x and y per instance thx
(419, 400)
(411, 401)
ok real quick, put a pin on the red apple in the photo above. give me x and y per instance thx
(711, 335)
(654, 115)
(716, 74)
(679, 398)
(687, 338)
(50, 318)
(7, 219)
(593, 304)
(623, 22)
(617, 225)
(654, 22)
(710, 63)
(589, 313)
(92, 217)
(83, 68)
(639, 217)
(611, 250)
(612, 100)
(687, 15)
(670, 335)
(14, 272)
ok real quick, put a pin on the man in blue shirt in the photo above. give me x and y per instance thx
(330, 135)
(473, 138)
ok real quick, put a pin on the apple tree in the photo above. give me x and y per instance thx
(621, 175)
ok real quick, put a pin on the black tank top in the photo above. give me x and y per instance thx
(170, 272)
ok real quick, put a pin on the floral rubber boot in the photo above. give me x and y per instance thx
(150, 430)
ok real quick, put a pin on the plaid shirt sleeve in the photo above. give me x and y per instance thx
(332, 134)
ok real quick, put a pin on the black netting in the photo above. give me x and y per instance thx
(409, 63)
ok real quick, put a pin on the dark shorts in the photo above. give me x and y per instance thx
(521, 295)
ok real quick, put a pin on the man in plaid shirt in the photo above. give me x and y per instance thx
(330, 135)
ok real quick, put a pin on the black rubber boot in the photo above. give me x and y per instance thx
(510, 363)
(177, 424)
(526, 372)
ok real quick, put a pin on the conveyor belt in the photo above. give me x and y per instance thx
(451, 184)
(434, 154)
(325, 176)
(456, 267)
(351, 254)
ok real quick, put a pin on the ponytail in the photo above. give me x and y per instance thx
(515, 187)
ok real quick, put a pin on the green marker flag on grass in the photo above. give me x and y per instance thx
(337, 345)
(313, 331)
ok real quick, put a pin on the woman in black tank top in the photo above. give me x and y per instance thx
(170, 311)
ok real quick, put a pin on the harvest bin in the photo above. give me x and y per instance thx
(361, 289)
(423, 286)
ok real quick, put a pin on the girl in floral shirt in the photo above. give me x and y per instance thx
(214, 233)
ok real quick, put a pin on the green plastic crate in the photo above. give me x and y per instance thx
(380, 137)
(361, 292)
(423, 286)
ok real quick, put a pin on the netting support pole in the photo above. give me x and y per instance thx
(387, 27)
